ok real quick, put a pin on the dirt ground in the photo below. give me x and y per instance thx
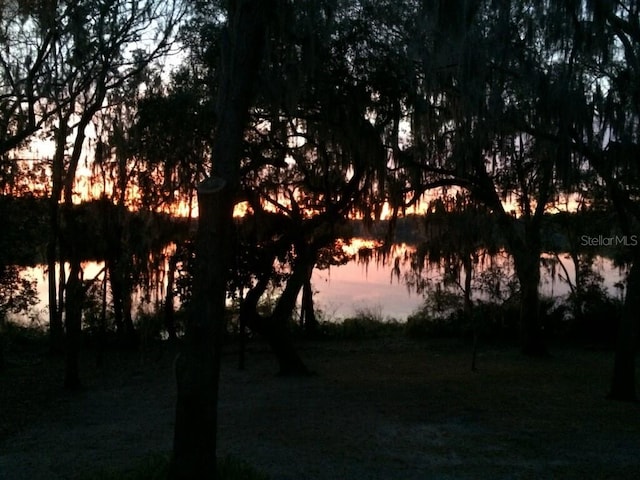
(377, 409)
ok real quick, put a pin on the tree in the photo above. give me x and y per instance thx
(580, 87)
(22, 227)
(583, 86)
(459, 236)
(314, 151)
(198, 366)
(90, 60)
(472, 103)
(28, 34)
(17, 295)
(600, 110)
(318, 149)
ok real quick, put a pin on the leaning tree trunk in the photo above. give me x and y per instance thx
(623, 385)
(198, 365)
(274, 328)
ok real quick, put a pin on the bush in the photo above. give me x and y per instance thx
(490, 320)
(150, 326)
(421, 325)
(362, 327)
(366, 323)
(497, 321)
(21, 337)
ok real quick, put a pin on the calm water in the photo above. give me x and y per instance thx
(346, 290)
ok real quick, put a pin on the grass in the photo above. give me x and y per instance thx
(400, 401)
(155, 467)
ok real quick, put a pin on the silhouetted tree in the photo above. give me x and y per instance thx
(473, 93)
(90, 60)
(597, 105)
(198, 366)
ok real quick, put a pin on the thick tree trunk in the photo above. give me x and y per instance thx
(74, 294)
(274, 328)
(198, 365)
(623, 384)
(527, 265)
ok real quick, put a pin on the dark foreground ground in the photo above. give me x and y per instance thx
(378, 409)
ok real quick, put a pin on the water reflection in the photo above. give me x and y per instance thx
(376, 284)
(146, 297)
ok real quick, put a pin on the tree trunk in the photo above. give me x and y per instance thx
(286, 353)
(242, 339)
(56, 328)
(198, 365)
(467, 263)
(73, 324)
(169, 313)
(102, 327)
(121, 293)
(116, 298)
(130, 333)
(2, 337)
(275, 327)
(527, 265)
(275, 330)
(308, 321)
(623, 384)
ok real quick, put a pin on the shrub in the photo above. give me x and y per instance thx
(421, 324)
(366, 323)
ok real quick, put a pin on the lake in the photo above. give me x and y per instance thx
(356, 287)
